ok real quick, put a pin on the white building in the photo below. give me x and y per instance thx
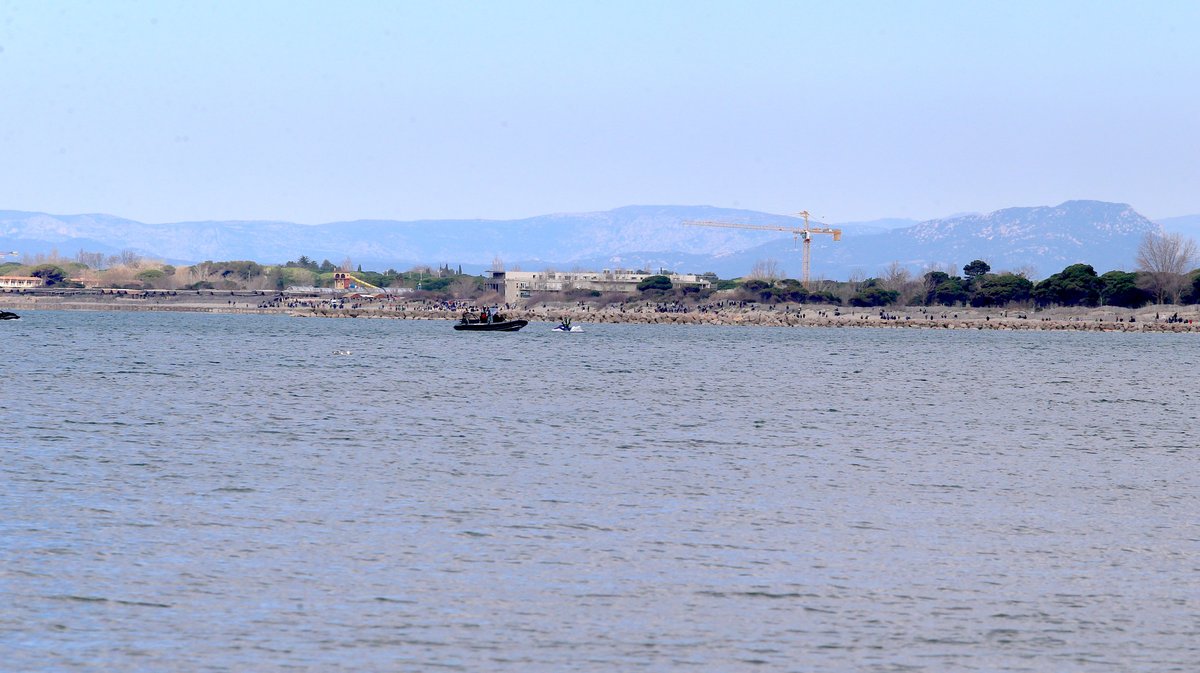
(518, 285)
(21, 281)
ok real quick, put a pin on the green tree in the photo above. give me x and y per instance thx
(661, 283)
(975, 269)
(771, 292)
(1120, 288)
(1191, 293)
(1076, 285)
(872, 293)
(935, 278)
(944, 289)
(276, 278)
(790, 289)
(932, 280)
(303, 263)
(373, 277)
(436, 284)
(243, 269)
(823, 297)
(150, 276)
(1000, 289)
(51, 274)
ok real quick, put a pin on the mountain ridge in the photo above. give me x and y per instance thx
(1037, 239)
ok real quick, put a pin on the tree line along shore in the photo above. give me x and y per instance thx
(1151, 318)
(1161, 294)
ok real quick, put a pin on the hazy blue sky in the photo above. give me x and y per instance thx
(324, 111)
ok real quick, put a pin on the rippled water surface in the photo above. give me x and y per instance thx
(225, 493)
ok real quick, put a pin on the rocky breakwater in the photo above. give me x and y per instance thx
(1089, 320)
(1100, 319)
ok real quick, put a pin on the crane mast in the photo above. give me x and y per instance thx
(806, 232)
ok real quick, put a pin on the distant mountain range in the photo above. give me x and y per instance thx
(1040, 240)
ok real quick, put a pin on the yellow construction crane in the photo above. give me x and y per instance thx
(806, 231)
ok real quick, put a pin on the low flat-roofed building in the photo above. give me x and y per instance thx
(518, 285)
(21, 281)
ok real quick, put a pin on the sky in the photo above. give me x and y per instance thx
(318, 112)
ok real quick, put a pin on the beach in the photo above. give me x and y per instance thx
(1160, 318)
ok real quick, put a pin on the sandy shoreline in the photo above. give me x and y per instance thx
(1106, 319)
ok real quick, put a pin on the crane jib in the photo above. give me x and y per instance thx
(806, 231)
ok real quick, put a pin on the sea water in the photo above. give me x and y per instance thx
(193, 492)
